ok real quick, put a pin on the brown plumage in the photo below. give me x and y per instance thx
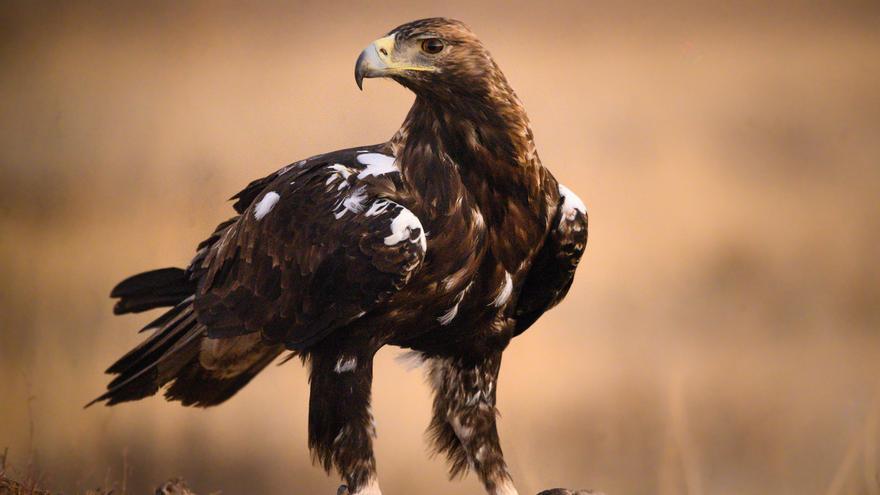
(449, 240)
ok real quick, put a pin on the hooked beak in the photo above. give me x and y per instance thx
(380, 60)
(374, 61)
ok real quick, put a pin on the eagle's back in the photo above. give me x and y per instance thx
(279, 269)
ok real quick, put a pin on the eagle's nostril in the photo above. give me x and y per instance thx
(383, 51)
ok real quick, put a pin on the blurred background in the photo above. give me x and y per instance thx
(722, 335)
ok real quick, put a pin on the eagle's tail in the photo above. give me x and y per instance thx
(152, 289)
(142, 371)
(201, 371)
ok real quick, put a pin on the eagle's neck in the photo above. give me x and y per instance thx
(469, 145)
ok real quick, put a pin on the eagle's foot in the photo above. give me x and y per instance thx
(371, 488)
(565, 491)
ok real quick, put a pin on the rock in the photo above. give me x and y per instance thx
(174, 486)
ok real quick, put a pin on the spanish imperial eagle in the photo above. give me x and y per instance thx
(449, 240)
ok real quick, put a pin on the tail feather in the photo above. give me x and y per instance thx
(157, 344)
(197, 370)
(144, 370)
(153, 289)
(162, 349)
(167, 316)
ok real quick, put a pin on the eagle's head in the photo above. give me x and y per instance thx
(434, 57)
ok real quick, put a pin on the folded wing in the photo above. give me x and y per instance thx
(552, 272)
(315, 249)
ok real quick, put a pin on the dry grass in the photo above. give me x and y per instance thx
(9, 486)
(26, 483)
(12, 487)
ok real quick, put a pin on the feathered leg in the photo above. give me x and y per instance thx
(341, 429)
(463, 425)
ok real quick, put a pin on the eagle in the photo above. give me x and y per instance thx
(448, 240)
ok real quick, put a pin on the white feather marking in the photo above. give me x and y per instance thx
(378, 207)
(266, 204)
(341, 169)
(401, 229)
(505, 291)
(571, 204)
(376, 164)
(354, 203)
(481, 452)
(344, 365)
(370, 488)
(461, 431)
(450, 314)
(340, 172)
(340, 435)
(447, 317)
(474, 398)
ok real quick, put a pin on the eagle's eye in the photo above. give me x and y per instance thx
(432, 45)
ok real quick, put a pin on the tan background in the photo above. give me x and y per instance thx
(722, 335)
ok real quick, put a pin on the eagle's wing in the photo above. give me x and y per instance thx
(552, 272)
(315, 247)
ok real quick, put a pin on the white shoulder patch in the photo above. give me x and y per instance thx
(571, 203)
(401, 229)
(376, 164)
(266, 204)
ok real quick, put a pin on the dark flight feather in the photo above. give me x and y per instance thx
(153, 289)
